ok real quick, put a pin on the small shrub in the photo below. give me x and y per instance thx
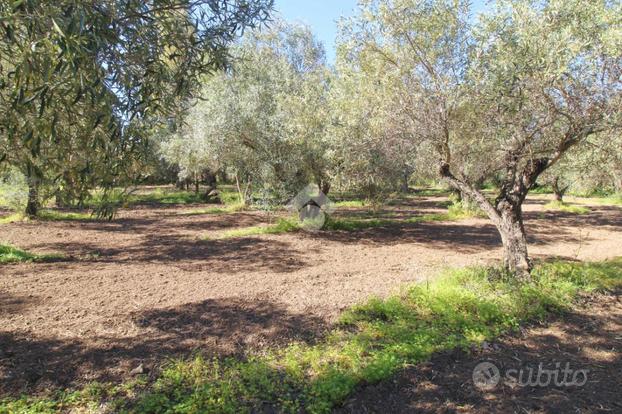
(12, 218)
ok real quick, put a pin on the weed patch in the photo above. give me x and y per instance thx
(57, 215)
(11, 254)
(566, 208)
(281, 226)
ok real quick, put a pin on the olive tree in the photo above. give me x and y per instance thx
(81, 76)
(373, 152)
(600, 165)
(510, 94)
(264, 119)
(192, 149)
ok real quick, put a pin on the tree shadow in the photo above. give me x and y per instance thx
(445, 385)
(479, 234)
(475, 236)
(217, 327)
(231, 255)
(173, 223)
(12, 304)
(602, 216)
(156, 235)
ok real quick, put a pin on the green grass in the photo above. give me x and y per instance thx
(160, 196)
(49, 215)
(228, 195)
(541, 189)
(11, 254)
(461, 308)
(11, 218)
(57, 215)
(354, 224)
(566, 208)
(460, 210)
(615, 199)
(611, 200)
(281, 226)
(373, 341)
(228, 209)
(95, 397)
(597, 195)
(455, 212)
(432, 192)
(332, 224)
(350, 203)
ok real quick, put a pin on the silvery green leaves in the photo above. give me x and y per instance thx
(84, 84)
(265, 121)
(502, 96)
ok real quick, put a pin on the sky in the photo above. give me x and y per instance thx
(322, 16)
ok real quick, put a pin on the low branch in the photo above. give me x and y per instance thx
(464, 187)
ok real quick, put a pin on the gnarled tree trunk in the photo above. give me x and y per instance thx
(506, 215)
(324, 186)
(510, 226)
(558, 190)
(404, 185)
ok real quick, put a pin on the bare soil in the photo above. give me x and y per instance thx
(145, 287)
(589, 339)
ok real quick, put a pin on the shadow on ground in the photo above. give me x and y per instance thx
(226, 256)
(587, 339)
(166, 238)
(213, 327)
(11, 304)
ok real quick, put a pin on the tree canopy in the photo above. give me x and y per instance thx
(508, 94)
(82, 81)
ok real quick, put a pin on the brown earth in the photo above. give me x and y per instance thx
(145, 287)
(589, 339)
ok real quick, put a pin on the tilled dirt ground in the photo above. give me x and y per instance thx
(587, 343)
(146, 287)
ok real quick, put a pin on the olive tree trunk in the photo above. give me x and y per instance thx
(507, 216)
(509, 223)
(325, 186)
(558, 190)
(32, 206)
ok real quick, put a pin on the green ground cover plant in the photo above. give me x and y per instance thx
(12, 254)
(566, 208)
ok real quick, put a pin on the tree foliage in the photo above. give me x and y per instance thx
(265, 120)
(509, 95)
(82, 82)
